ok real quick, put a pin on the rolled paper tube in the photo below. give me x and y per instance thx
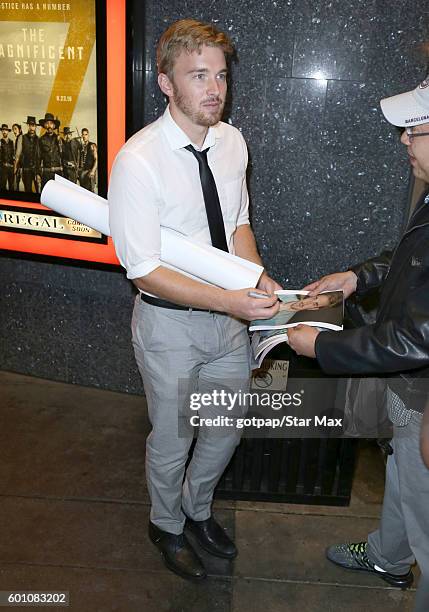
(76, 204)
(200, 260)
(207, 262)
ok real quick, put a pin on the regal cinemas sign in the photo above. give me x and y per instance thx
(26, 220)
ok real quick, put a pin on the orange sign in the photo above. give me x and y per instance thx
(73, 52)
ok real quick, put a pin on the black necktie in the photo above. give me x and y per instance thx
(211, 200)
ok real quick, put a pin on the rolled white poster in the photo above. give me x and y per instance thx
(85, 192)
(200, 260)
(76, 204)
(207, 262)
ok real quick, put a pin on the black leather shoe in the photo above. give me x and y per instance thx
(178, 555)
(212, 538)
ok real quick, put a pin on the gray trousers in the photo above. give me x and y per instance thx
(199, 351)
(403, 534)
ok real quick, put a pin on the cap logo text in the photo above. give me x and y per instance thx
(417, 119)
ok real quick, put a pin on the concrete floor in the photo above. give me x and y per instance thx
(74, 511)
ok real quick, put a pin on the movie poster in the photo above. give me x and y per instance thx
(48, 93)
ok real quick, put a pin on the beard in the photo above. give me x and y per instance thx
(197, 115)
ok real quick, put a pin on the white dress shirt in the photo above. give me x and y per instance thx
(155, 182)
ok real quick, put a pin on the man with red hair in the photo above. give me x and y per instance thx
(187, 171)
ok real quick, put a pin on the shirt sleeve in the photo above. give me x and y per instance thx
(243, 217)
(134, 215)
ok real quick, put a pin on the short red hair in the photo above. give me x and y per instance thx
(189, 35)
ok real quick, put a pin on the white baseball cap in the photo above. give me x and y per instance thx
(409, 108)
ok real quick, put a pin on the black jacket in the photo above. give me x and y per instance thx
(397, 344)
(7, 152)
(30, 152)
(50, 147)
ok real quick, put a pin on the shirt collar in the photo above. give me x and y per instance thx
(177, 139)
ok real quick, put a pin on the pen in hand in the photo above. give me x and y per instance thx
(254, 294)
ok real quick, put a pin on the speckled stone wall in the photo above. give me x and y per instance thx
(328, 178)
(67, 323)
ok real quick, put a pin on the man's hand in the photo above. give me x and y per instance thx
(267, 284)
(240, 305)
(302, 339)
(345, 281)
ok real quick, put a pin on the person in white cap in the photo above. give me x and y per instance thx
(395, 346)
